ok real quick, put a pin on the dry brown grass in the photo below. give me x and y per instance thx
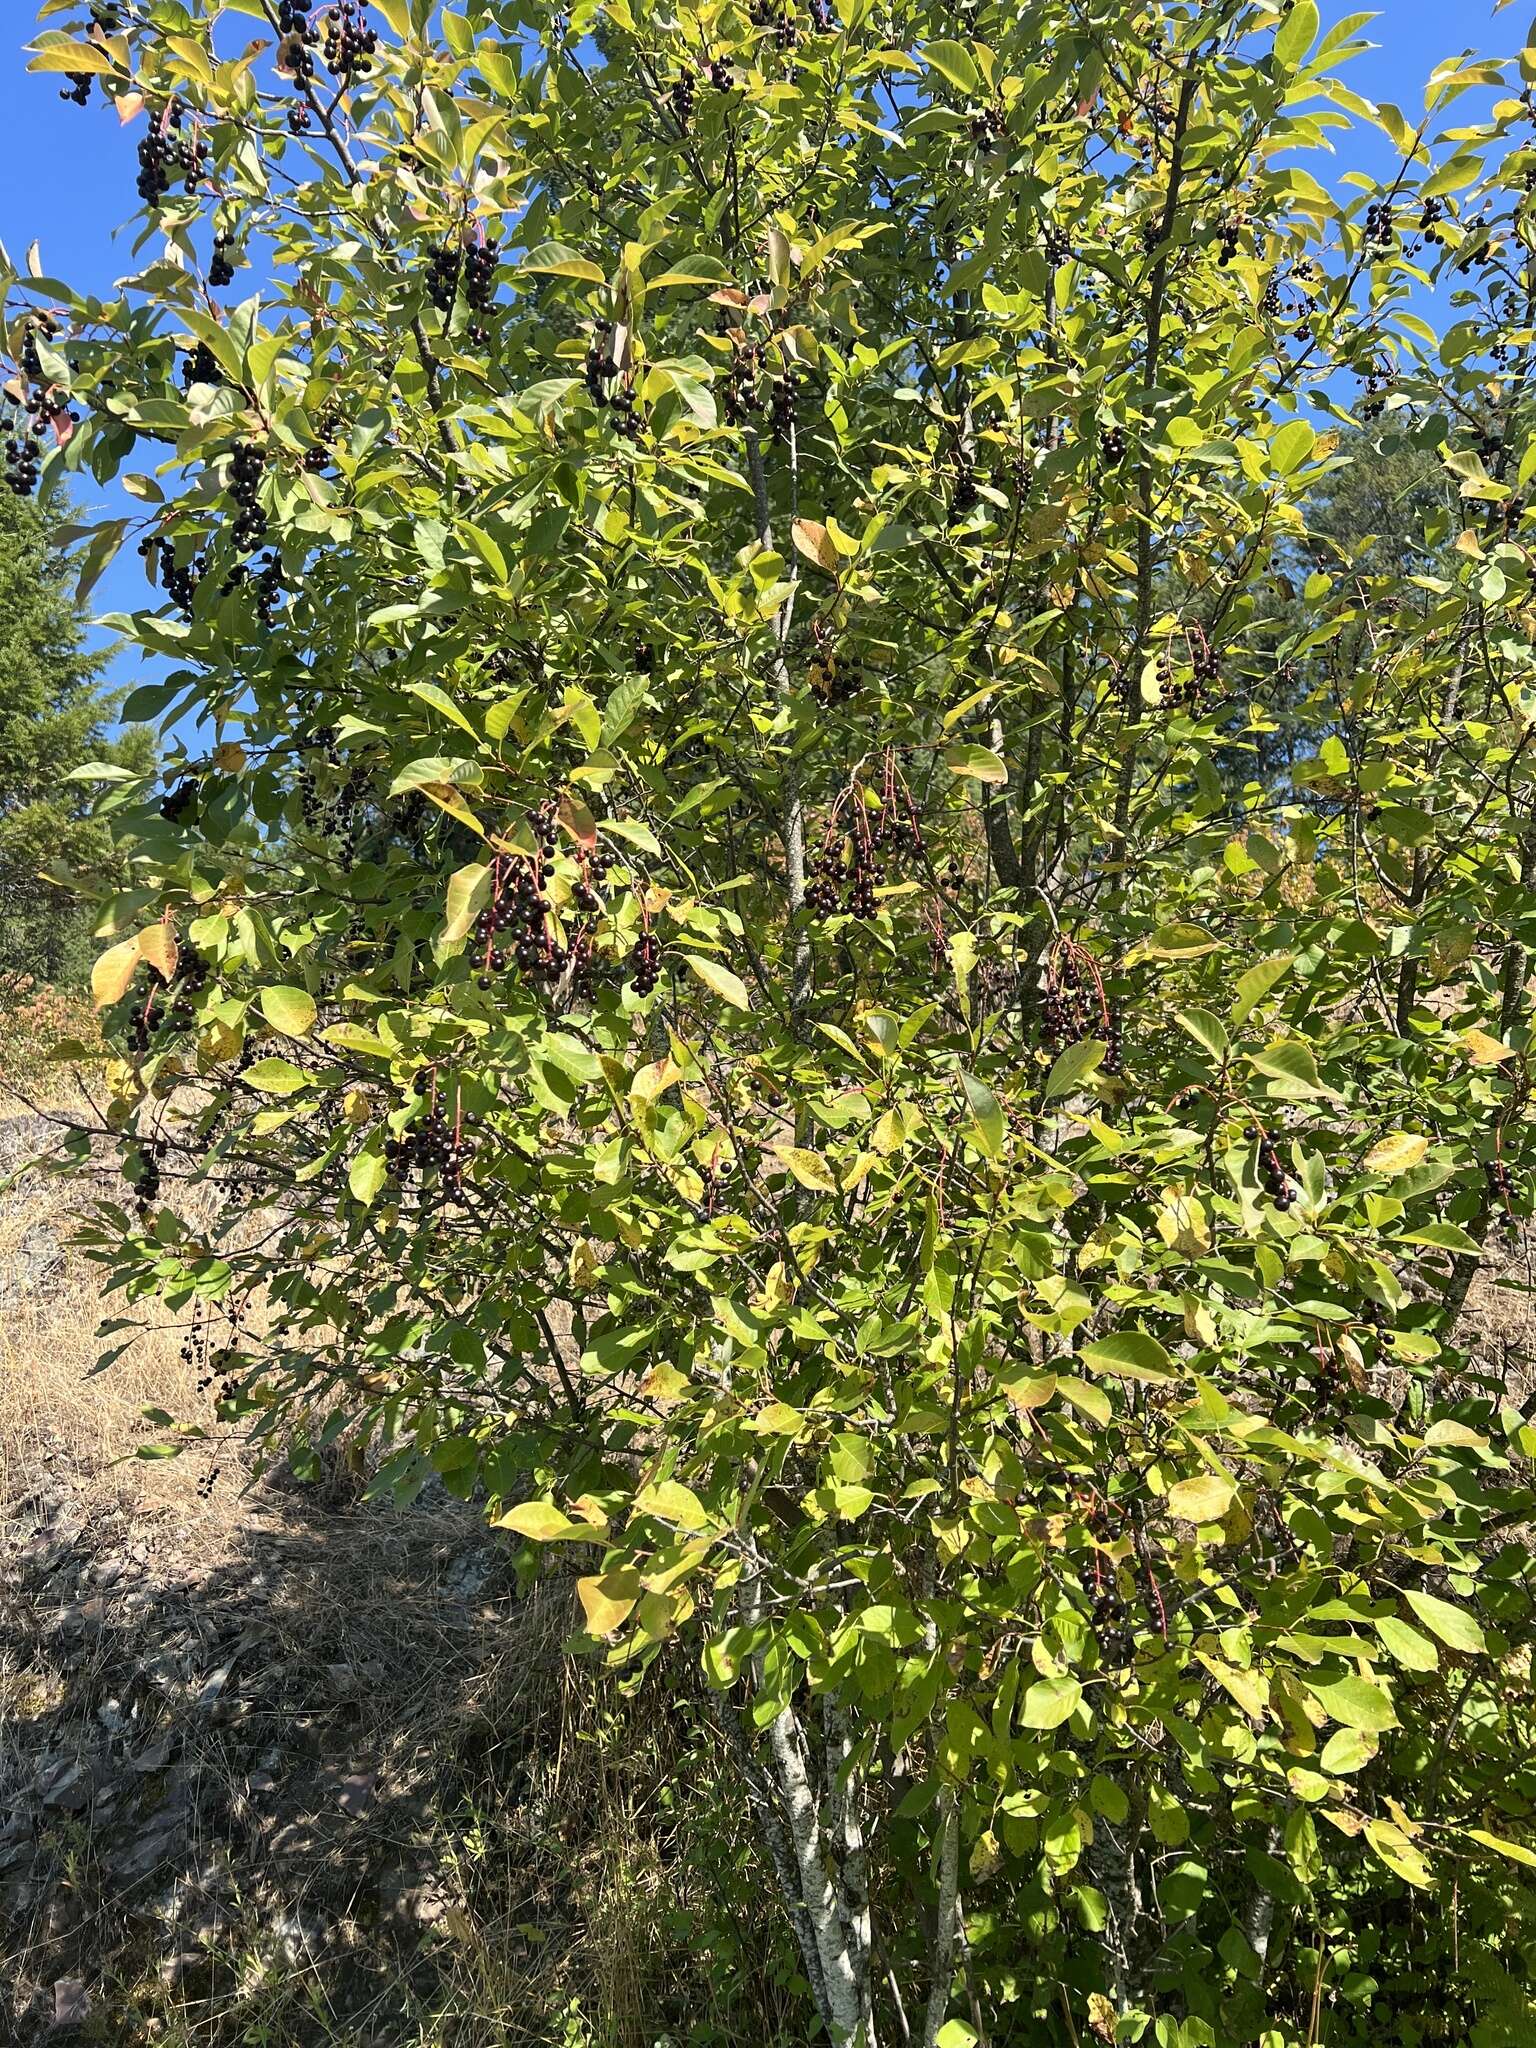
(381, 1810)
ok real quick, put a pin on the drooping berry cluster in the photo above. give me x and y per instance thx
(480, 288)
(336, 811)
(1430, 219)
(266, 586)
(742, 401)
(1331, 1382)
(1189, 689)
(645, 963)
(221, 271)
(835, 674)
(965, 496)
(856, 850)
(778, 17)
(179, 580)
(1074, 1006)
(428, 1147)
(328, 426)
(719, 74)
(443, 270)
(23, 457)
(781, 406)
(350, 40)
(1055, 244)
(141, 1170)
(681, 96)
(1380, 235)
(986, 127)
(78, 88)
(1372, 402)
(180, 801)
(245, 473)
(201, 366)
(605, 385)
(1112, 444)
(1501, 1184)
(166, 154)
(295, 47)
(1272, 1175)
(1229, 238)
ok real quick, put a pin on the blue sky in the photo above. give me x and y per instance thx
(67, 173)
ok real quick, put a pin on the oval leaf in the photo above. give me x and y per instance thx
(289, 1010)
(729, 987)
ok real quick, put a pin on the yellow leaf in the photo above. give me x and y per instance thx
(608, 1600)
(467, 894)
(1484, 1050)
(113, 972)
(1205, 1498)
(541, 1522)
(809, 1168)
(663, 1384)
(1395, 1153)
(157, 945)
(673, 1502)
(813, 541)
(229, 758)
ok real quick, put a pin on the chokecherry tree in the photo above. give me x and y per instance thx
(712, 928)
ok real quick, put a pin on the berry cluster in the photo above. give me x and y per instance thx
(854, 855)
(179, 802)
(719, 74)
(1074, 1006)
(986, 127)
(645, 963)
(166, 154)
(681, 95)
(179, 580)
(1272, 1176)
(604, 385)
(295, 45)
(1380, 235)
(245, 471)
(1430, 219)
(965, 496)
(328, 426)
(741, 396)
(834, 676)
(778, 19)
(1372, 403)
(480, 288)
(1229, 238)
(443, 269)
(266, 585)
(1191, 691)
(1056, 244)
(23, 456)
(339, 811)
(1501, 1184)
(1112, 444)
(428, 1147)
(201, 367)
(1331, 1383)
(298, 118)
(78, 89)
(350, 40)
(107, 16)
(141, 1170)
(221, 271)
(781, 406)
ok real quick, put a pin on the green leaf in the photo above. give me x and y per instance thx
(977, 764)
(1296, 34)
(1457, 1629)
(557, 259)
(1073, 1066)
(989, 1127)
(1131, 1354)
(809, 1168)
(289, 1010)
(1290, 1062)
(954, 62)
(1517, 1852)
(729, 987)
(276, 1077)
(1291, 447)
(1206, 1029)
(1355, 1702)
(1050, 1701)
(1255, 983)
(435, 695)
(368, 1172)
(1405, 1645)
